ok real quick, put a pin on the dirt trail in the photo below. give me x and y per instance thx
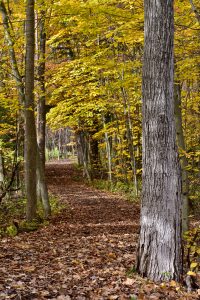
(84, 253)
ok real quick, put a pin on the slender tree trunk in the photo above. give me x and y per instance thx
(94, 157)
(30, 128)
(42, 187)
(59, 143)
(29, 103)
(108, 152)
(42, 191)
(195, 11)
(15, 71)
(121, 158)
(159, 252)
(130, 139)
(79, 150)
(181, 145)
(41, 112)
(83, 146)
(1, 169)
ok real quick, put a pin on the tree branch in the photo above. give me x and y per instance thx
(16, 74)
(194, 9)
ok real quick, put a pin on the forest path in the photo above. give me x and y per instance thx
(89, 211)
(85, 251)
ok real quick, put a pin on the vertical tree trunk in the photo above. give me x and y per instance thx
(181, 145)
(196, 12)
(30, 129)
(122, 161)
(159, 251)
(15, 70)
(41, 113)
(42, 187)
(130, 139)
(83, 147)
(29, 103)
(1, 169)
(108, 152)
(94, 157)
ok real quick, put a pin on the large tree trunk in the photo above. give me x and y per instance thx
(30, 128)
(159, 251)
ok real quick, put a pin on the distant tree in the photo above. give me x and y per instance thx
(159, 251)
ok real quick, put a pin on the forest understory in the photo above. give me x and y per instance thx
(86, 252)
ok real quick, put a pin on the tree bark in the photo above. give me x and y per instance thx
(159, 252)
(41, 110)
(108, 152)
(82, 142)
(183, 160)
(1, 170)
(129, 133)
(30, 128)
(195, 11)
(42, 187)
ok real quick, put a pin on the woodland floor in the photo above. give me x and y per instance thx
(86, 252)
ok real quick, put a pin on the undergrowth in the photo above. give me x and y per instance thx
(127, 190)
(13, 216)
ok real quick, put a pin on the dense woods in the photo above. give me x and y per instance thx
(114, 85)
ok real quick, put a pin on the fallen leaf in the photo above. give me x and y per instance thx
(29, 269)
(129, 281)
(173, 283)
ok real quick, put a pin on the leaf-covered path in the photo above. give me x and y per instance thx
(91, 212)
(87, 251)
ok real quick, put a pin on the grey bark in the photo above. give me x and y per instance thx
(130, 138)
(122, 161)
(183, 160)
(42, 187)
(82, 143)
(42, 190)
(30, 128)
(159, 251)
(108, 152)
(1, 169)
(41, 111)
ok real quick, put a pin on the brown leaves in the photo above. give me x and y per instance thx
(78, 256)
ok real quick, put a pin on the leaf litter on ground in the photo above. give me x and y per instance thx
(87, 251)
